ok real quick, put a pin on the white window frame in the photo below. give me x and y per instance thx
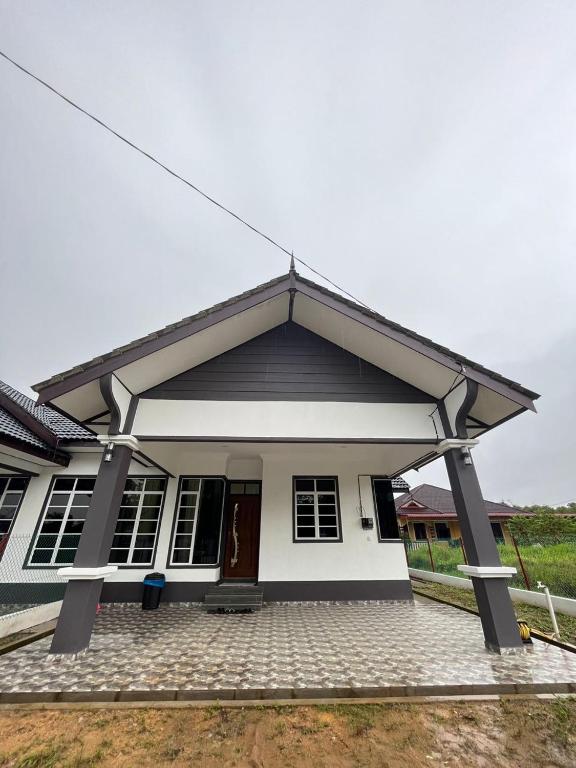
(51, 493)
(18, 505)
(173, 548)
(315, 493)
(134, 534)
(55, 549)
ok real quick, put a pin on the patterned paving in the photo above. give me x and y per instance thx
(281, 651)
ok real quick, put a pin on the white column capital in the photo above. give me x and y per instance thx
(488, 571)
(128, 440)
(455, 442)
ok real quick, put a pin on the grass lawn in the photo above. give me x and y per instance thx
(538, 618)
(496, 734)
(551, 563)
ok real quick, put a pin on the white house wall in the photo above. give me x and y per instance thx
(328, 420)
(358, 558)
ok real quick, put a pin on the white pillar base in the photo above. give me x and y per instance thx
(488, 571)
(86, 574)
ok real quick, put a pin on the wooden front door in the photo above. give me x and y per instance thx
(242, 537)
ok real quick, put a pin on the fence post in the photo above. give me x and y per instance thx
(463, 551)
(524, 574)
(430, 553)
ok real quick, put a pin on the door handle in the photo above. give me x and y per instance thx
(234, 558)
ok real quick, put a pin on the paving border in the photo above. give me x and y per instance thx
(291, 695)
(272, 703)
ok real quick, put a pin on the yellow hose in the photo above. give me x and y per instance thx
(524, 631)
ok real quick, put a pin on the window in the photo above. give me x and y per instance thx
(66, 509)
(497, 532)
(244, 489)
(63, 520)
(316, 511)
(12, 491)
(385, 509)
(198, 522)
(138, 521)
(442, 531)
(420, 531)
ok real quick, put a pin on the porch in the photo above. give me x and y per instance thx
(296, 650)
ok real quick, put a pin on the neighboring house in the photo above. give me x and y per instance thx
(33, 440)
(257, 442)
(429, 512)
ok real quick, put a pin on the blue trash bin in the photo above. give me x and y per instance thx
(153, 585)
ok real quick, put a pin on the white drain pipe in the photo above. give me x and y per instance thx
(550, 610)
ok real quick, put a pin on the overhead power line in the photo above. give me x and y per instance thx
(173, 173)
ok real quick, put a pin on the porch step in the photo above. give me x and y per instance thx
(233, 598)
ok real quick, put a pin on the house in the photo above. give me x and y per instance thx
(429, 512)
(33, 440)
(258, 443)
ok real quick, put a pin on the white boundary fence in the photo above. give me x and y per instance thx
(29, 617)
(561, 604)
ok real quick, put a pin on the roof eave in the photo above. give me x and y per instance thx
(49, 454)
(506, 387)
(80, 375)
(28, 420)
(76, 377)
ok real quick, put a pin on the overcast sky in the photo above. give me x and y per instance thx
(422, 154)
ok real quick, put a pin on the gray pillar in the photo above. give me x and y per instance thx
(76, 620)
(494, 603)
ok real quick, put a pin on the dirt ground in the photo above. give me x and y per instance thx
(499, 734)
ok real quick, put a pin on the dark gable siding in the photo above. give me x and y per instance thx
(288, 363)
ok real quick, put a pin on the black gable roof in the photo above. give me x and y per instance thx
(38, 427)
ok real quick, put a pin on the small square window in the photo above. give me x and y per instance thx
(142, 556)
(130, 499)
(119, 556)
(316, 515)
(134, 484)
(16, 484)
(65, 556)
(125, 526)
(86, 484)
(64, 483)
(41, 556)
(59, 499)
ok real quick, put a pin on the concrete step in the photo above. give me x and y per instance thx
(238, 608)
(231, 598)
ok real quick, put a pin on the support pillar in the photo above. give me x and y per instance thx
(86, 576)
(489, 577)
